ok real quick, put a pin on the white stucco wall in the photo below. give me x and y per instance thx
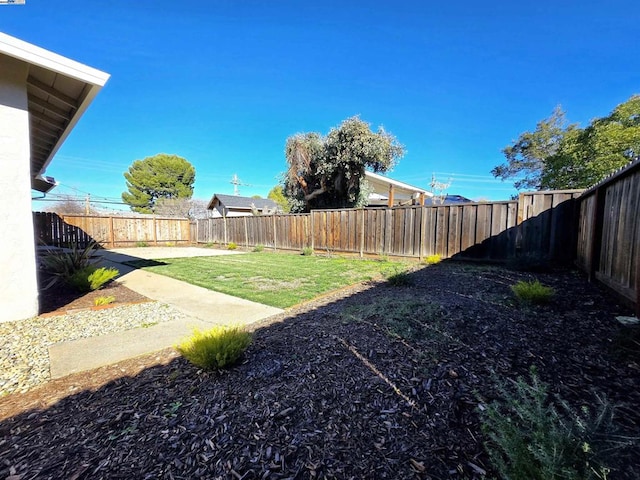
(18, 287)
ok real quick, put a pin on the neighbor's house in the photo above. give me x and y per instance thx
(386, 192)
(237, 206)
(42, 97)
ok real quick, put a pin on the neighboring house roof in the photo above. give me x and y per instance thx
(59, 90)
(448, 200)
(402, 192)
(235, 202)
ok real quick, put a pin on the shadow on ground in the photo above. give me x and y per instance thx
(377, 382)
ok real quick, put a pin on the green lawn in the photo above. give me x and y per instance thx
(279, 280)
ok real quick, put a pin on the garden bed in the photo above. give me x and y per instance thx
(375, 381)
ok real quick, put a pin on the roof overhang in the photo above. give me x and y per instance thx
(401, 191)
(59, 90)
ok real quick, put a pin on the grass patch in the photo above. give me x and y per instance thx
(279, 280)
(404, 318)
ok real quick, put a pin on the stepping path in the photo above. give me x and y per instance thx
(204, 308)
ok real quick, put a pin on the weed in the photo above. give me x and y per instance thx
(232, 246)
(433, 259)
(104, 300)
(307, 251)
(148, 324)
(258, 248)
(217, 348)
(209, 245)
(170, 244)
(532, 292)
(530, 438)
(141, 244)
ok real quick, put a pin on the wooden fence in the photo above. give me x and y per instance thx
(540, 224)
(608, 246)
(109, 231)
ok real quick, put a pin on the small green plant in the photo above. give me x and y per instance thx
(399, 278)
(433, 259)
(530, 438)
(532, 292)
(307, 251)
(91, 278)
(232, 246)
(104, 300)
(172, 409)
(141, 244)
(258, 248)
(170, 244)
(217, 348)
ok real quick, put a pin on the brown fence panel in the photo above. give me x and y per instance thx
(609, 233)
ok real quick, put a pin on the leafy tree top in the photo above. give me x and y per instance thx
(558, 155)
(328, 171)
(162, 176)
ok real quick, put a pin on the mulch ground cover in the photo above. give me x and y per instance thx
(376, 381)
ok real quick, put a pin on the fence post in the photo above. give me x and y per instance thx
(313, 231)
(275, 236)
(246, 234)
(362, 230)
(224, 226)
(423, 227)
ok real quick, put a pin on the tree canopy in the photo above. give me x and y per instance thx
(558, 155)
(328, 171)
(277, 195)
(159, 177)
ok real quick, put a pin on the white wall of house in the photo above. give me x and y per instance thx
(18, 287)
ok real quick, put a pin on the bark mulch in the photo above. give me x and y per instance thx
(375, 381)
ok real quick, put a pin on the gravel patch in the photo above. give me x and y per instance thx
(24, 344)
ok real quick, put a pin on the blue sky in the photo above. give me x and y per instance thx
(223, 83)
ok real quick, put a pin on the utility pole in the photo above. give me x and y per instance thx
(235, 181)
(87, 207)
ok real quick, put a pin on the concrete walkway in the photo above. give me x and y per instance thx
(204, 308)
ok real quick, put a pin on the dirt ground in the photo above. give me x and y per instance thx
(376, 381)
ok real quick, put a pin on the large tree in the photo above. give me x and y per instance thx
(558, 155)
(159, 177)
(328, 171)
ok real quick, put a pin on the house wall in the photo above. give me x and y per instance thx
(18, 288)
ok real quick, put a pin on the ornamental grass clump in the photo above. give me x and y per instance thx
(532, 292)
(216, 348)
(100, 301)
(91, 278)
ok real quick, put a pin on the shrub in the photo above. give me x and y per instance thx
(91, 278)
(216, 348)
(307, 251)
(531, 439)
(141, 244)
(104, 300)
(61, 265)
(232, 246)
(433, 259)
(532, 292)
(258, 248)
